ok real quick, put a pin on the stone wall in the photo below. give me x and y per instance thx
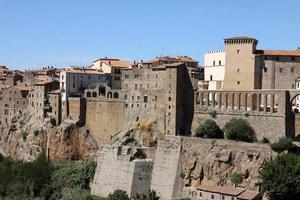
(261, 123)
(115, 170)
(104, 118)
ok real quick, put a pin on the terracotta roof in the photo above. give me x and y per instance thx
(3, 86)
(221, 189)
(248, 195)
(83, 71)
(172, 59)
(163, 66)
(118, 63)
(282, 52)
(24, 88)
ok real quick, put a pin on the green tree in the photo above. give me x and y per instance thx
(151, 195)
(236, 179)
(118, 195)
(239, 129)
(209, 129)
(283, 144)
(281, 177)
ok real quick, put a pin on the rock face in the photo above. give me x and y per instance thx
(25, 139)
(204, 161)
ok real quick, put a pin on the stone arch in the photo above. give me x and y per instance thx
(109, 95)
(88, 94)
(94, 94)
(116, 95)
(101, 90)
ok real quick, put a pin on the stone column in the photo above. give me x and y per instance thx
(265, 102)
(220, 100)
(200, 99)
(207, 99)
(272, 103)
(232, 101)
(251, 102)
(239, 101)
(226, 100)
(258, 96)
(245, 101)
(213, 99)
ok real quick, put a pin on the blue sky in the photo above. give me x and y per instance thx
(35, 33)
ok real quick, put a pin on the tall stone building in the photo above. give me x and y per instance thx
(247, 67)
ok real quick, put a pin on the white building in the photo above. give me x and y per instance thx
(214, 69)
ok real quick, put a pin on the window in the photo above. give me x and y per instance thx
(220, 63)
(200, 194)
(170, 85)
(89, 77)
(223, 197)
(125, 97)
(126, 76)
(156, 75)
(145, 99)
(265, 69)
(155, 98)
(292, 70)
(117, 78)
(62, 77)
(237, 51)
(73, 85)
(132, 97)
(293, 85)
(211, 77)
(238, 70)
(136, 76)
(169, 98)
(135, 86)
(280, 70)
(156, 85)
(214, 63)
(238, 82)
(292, 58)
(212, 196)
(277, 58)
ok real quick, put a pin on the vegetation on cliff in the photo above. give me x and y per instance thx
(281, 177)
(44, 179)
(239, 129)
(209, 129)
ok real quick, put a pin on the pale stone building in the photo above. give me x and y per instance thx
(113, 67)
(214, 69)
(73, 81)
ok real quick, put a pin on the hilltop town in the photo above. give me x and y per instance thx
(140, 120)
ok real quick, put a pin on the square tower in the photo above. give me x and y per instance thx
(242, 70)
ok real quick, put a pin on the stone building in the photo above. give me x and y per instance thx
(159, 94)
(105, 109)
(39, 103)
(13, 100)
(73, 81)
(246, 67)
(214, 69)
(113, 67)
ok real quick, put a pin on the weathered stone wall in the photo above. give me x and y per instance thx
(104, 118)
(269, 126)
(115, 170)
(166, 171)
(183, 162)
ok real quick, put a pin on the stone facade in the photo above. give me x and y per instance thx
(117, 169)
(261, 108)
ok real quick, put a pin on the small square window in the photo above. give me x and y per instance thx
(238, 82)
(237, 51)
(280, 70)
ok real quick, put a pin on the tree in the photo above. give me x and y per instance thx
(151, 195)
(209, 129)
(118, 195)
(239, 129)
(281, 177)
(283, 144)
(236, 179)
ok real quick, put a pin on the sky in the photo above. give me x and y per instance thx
(36, 33)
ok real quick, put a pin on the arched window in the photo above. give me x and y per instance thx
(6, 112)
(94, 94)
(116, 95)
(88, 94)
(109, 95)
(101, 90)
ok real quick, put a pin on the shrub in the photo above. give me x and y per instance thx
(236, 179)
(118, 195)
(283, 144)
(281, 177)
(265, 140)
(239, 129)
(151, 195)
(209, 129)
(76, 193)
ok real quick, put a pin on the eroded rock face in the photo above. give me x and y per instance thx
(26, 138)
(207, 161)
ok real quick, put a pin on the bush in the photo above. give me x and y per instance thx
(151, 195)
(283, 144)
(265, 140)
(76, 193)
(281, 177)
(239, 129)
(118, 195)
(209, 129)
(236, 179)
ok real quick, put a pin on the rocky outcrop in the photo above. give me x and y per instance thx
(209, 161)
(25, 139)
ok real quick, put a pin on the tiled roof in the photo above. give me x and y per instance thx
(248, 195)
(163, 66)
(221, 189)
(83, 71)
(282, 52)
(114, 62)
